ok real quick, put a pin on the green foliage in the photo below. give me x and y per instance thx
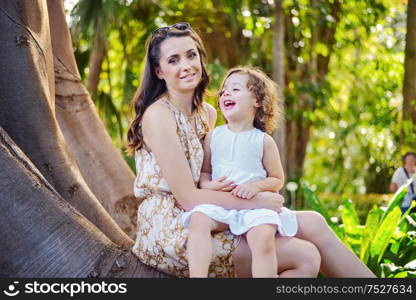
(362, 203)
(384, 234)
(370, 229)
(385, 243)
(356, 140)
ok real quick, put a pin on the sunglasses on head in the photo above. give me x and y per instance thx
(178, 26)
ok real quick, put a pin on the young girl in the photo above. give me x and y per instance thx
(242, 158)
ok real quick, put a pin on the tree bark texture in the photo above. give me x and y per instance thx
(44, 236)
(101, 165)
(278, 74)
(27, 110)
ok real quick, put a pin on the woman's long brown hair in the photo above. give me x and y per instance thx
(151, 87)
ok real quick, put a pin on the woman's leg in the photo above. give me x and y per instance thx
(297, 258)
(199, 244)
(261, 240)
(337, 259)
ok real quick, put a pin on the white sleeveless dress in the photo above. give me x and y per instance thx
(239, 157)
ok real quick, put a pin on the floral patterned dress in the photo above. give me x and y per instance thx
(161, 238)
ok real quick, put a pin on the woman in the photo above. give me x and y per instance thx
(166, 138)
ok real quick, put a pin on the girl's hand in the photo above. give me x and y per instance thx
(245, 190)
(218, 184)
(269, 200)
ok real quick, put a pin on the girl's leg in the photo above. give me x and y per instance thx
(296, 257)
(337, 259)
(199, 244)
(261, 240)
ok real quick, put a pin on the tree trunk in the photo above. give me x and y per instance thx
(279, 73)
(44, 236)
(409, 83)
(296, 140)
(313, 64)
(298, 128)
(104, 170)
(27, 110)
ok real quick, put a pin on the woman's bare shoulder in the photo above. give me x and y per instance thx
(211, 114)
(158, 125)
(157, 113)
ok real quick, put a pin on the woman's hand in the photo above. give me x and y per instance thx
(269, 200)
(218, 184)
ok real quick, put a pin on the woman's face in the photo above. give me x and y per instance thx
(410, 161)
(180, 64)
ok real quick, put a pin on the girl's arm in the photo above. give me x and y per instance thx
(273, 165)
(160, 135)
(275, 175)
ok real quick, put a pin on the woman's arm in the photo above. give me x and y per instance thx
(159, 131)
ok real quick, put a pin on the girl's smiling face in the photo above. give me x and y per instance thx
(180, 64)
(237, 102)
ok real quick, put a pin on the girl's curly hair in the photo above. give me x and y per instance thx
(270, 113)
